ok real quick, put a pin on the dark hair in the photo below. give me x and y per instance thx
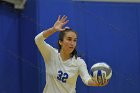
(61, 37)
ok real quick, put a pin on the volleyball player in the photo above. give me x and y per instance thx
(63, 65)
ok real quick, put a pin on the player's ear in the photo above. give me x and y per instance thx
(60, 42)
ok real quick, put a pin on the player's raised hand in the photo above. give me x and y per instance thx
(59, 24)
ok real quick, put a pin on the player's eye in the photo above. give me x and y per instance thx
(69, 39)
(75, 40)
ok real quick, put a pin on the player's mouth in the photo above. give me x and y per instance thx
(71, 47)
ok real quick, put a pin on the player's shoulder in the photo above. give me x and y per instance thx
(52, 48)
(80, 60)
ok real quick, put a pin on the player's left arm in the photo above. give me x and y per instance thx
(86, 78)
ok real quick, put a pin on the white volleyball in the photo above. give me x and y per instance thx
(100, 71)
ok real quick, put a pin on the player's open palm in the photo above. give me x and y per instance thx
(61, 21)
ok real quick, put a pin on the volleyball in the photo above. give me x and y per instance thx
(101, 71)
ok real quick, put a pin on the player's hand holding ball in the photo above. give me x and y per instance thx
(101, 73)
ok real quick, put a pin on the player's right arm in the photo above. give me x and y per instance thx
(43, 47)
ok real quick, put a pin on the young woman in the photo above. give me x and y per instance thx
(63, 66)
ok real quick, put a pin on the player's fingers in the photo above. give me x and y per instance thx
(58, 18)
(65, 22)
(63, 19)
(105, 82)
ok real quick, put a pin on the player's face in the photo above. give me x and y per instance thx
(69, 42)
